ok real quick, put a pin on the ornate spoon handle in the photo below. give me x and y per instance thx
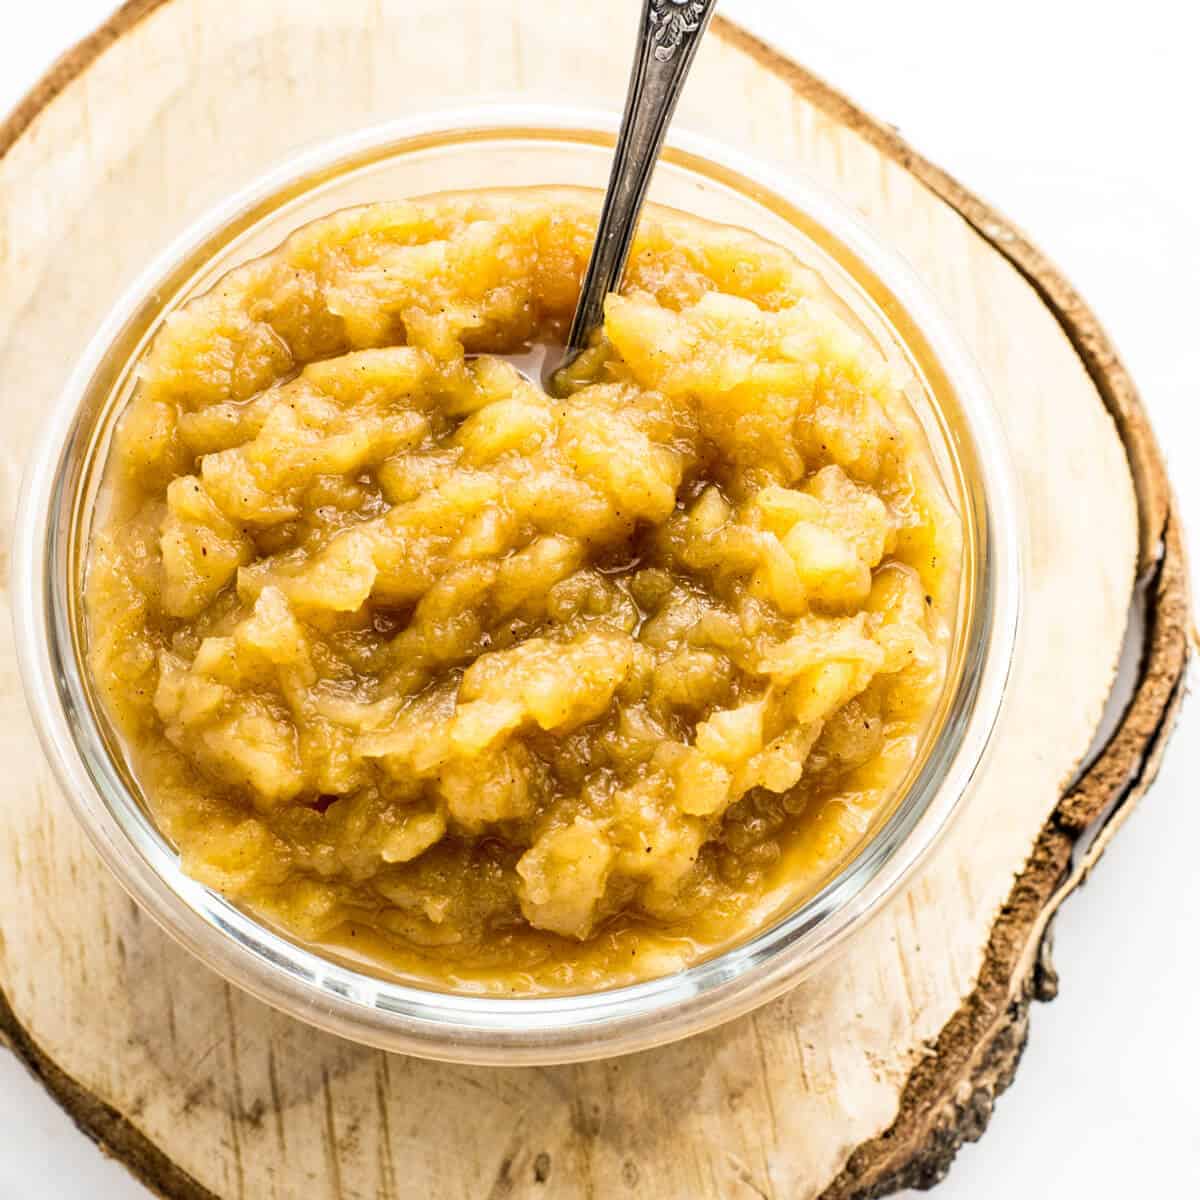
(667, 40)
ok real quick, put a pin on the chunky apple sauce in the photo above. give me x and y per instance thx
(506, 690)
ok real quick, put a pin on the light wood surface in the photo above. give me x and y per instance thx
(205, 1091)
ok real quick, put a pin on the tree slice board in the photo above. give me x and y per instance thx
(865, 1078)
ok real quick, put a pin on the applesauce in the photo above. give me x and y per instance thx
(504, 690)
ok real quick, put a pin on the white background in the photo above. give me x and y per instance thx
(1078, 120)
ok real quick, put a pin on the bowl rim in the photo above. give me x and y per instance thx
(454, 1026)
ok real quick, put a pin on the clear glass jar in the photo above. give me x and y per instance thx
(497, 146)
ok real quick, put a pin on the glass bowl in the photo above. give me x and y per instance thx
(505, 146)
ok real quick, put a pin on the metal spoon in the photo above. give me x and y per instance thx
(668, 38)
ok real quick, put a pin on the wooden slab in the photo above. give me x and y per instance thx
(865, 1078)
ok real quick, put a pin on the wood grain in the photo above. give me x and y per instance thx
(866, 1077)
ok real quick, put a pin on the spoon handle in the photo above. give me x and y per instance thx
(668, 36)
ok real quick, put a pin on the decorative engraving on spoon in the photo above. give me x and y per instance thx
(672, 21)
